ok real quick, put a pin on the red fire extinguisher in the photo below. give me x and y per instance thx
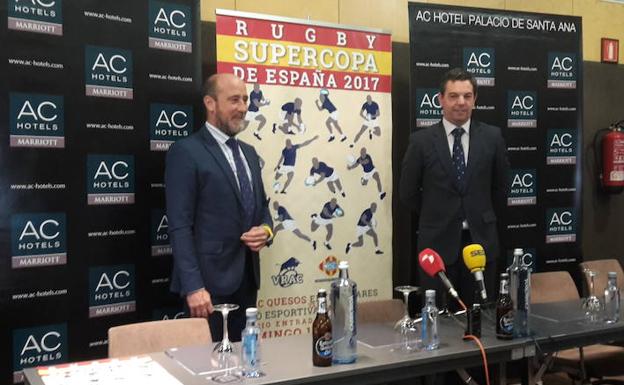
(609, 151)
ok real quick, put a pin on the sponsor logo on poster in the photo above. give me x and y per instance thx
(36, 120)
(561, 147)
(41, 16)
(562, 70)
(170, 27)
(159, 233)
(481, 62)
(168, 123)
(110, 179)
(111, 290)
(428, 107)
(38, 239)
(288, 274)
(560, 225)
(38, 346)
(108, 72)
(522, 187)
(167, 313)
(521, 109)
(529, 258)
(329, 267)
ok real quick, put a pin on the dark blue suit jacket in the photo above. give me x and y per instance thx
(428, 186)
(206, 217)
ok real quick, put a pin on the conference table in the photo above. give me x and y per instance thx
(288, 360)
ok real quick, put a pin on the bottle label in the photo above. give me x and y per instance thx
(249, 348)
(506, 322)
(350, 314)
(322, 305)
(323, 346)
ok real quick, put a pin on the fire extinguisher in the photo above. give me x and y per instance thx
(609, 153)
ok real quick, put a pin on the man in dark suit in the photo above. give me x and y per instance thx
(217, 210)
(454, 175)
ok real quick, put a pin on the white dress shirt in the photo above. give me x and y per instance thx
(221, 138)
(465, 139)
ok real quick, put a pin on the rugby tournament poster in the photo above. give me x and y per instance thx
(320, 118)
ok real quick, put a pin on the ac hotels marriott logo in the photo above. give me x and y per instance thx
(40, 16)
(36, 120)
(170, 27)
(110, 179)
(108, 72)
(38, 239)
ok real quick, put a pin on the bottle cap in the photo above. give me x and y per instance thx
(430, 293)
(518, 251)
(504, 276)
(476, 305)
(612, 274)
(251, 312)
(343, 265)
(322, 291)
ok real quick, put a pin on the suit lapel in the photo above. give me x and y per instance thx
(440, 142)
(474, 150)
(213, 148)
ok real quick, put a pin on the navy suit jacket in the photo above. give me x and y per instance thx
(206, 217)
(428, 186)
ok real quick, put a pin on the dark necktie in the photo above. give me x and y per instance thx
(458, 157)
(247, 197)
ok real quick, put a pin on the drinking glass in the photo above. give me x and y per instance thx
(407, 327)
(223, 353)
(225, 345)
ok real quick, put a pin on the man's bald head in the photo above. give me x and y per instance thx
(215, 82)
(225, 100)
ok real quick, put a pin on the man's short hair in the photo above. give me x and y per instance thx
(458, 74)
(210, 87)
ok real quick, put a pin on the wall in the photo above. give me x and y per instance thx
(600, 18)
(602, 215)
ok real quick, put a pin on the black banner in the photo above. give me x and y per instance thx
(528, 68)
(93, 94)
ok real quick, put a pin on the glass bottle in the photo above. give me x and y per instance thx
(612, 299)
(343, 302)
(430, 339)
(250, 351)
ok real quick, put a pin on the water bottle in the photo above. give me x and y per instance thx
(430, 339)
(612, 299)
(343, 302)
(520, 282)
(250, 351)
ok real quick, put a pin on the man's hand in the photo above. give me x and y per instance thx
(199, 303)
(256, 238)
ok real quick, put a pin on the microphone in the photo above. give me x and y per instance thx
(474, 259)
(431, 262)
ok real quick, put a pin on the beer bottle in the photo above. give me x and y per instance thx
(322, 342)
(504, 310)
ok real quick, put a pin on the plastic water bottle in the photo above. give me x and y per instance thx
(520, 277)
(343, 302)
(250, 351)
(430, 339)
(612, 299)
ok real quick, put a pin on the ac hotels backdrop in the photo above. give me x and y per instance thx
(292, 60)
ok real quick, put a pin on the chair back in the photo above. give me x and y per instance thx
(602, 267)
(553, 286)
(157, 336)
(379, 311)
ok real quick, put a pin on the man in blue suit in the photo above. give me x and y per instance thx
(454, 177)
(217, 210)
